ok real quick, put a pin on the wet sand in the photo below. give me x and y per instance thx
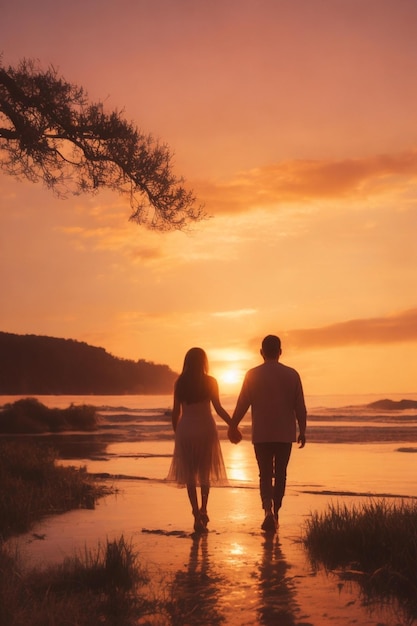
(235, 574)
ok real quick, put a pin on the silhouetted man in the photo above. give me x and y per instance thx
(275, 394)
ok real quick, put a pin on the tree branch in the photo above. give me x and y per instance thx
(41, 115)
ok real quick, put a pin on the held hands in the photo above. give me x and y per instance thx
(234, 434)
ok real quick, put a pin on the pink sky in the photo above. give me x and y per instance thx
(294, 122)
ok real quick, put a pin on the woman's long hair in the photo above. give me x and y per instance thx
(192, 384)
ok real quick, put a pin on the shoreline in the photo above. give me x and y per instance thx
(249, 577)
(235, 574)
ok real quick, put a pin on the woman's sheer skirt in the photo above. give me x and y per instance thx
(197, 461)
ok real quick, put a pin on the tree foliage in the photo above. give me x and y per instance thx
(38, 365)
(50, 132)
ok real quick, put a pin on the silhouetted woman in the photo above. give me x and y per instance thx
(197, 460)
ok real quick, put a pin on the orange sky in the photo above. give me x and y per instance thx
(294, 122)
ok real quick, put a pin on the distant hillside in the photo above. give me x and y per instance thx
(37, 365)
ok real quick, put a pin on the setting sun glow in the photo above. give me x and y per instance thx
(230, 377)
(295, 130)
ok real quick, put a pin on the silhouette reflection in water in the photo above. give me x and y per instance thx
(277, 604)
(203, 596)
(196, 592)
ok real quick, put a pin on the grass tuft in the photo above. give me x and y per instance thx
(104, 586)
(32, 486)
(28, 415)
(375, 543)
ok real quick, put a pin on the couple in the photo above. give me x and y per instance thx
(274, 393)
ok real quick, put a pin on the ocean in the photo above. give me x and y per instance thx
(357, 445)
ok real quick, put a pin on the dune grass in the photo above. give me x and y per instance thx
(374, 543)
(103, 586)
(33, 485)
(28, 415)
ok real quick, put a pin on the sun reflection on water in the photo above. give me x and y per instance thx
(236, 550)
(237, 464)
(235, 553)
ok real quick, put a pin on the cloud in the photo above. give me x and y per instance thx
(397, 328)
(400, 327)
(235, 314)
(302, 181)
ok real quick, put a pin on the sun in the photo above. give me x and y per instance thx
(230, 376)
(228, 367)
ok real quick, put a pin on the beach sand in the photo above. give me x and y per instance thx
(235, 574)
